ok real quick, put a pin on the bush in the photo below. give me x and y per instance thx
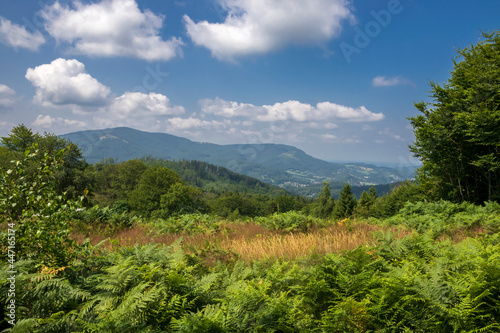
(113, 217)
(444, 216)
(35, 214)
(188, 223)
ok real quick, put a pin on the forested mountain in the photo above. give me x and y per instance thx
(281, 165)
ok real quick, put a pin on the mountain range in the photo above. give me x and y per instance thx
(282, 165)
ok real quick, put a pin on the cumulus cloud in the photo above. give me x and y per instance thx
(382, 81)
(50, 122)
(110, 28)
(178, 123)
(6, 96)
(138, 110)
(65, 82)
(346, 113)
(256, 26)
(227, 109)
(140, 104)
(17, 36)
(291, 111)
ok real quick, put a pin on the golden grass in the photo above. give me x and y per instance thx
(298, 245)
(251, 241)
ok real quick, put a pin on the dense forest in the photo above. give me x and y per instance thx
(152, 245)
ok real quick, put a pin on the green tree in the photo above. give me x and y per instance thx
(365, 202)
(20, 139)
(182, 199)
(154, 182)
(72, 177)
(326, 203)
(285, 203)
(458, 137)
(392, 202)
(234, 204)
(345, 205)
(129, 173)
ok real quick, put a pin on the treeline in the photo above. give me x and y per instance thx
(160, 188)
(149, 187)
(155, 189)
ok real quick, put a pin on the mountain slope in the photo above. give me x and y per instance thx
(281, 165)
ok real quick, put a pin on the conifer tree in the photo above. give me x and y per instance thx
(325, 202)
(346, 203)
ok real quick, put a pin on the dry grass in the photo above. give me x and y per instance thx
(250, 241)
(298, 245)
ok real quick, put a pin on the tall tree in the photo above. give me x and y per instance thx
(326, 203)
(457, 137)
(365, 202)
(346, 203)
(21, 138)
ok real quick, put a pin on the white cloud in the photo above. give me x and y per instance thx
(346, 113)
(328, 136)
(382, 81)
(65, 82)
(291, 111)
(50, 122)
(138, 110)
(17, 36)
(325, 125)
(110, 28)
(6, 96)
(178, 123)
(257, 26)
(227, 109)
(140, 104)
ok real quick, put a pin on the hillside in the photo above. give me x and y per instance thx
(281, 165)
(216, 179)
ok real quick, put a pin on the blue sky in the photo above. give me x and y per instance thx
(335, 78)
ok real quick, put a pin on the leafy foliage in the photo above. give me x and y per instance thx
(458, 139)
(187, 223)
(71, 178)
(113, 217)
(446, 217)
(30, 206)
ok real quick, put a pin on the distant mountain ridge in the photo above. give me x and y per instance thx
(278, 164)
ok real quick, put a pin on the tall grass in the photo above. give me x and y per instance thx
(299, 245)
(251, 241)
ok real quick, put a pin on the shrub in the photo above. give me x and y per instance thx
(187, 223)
